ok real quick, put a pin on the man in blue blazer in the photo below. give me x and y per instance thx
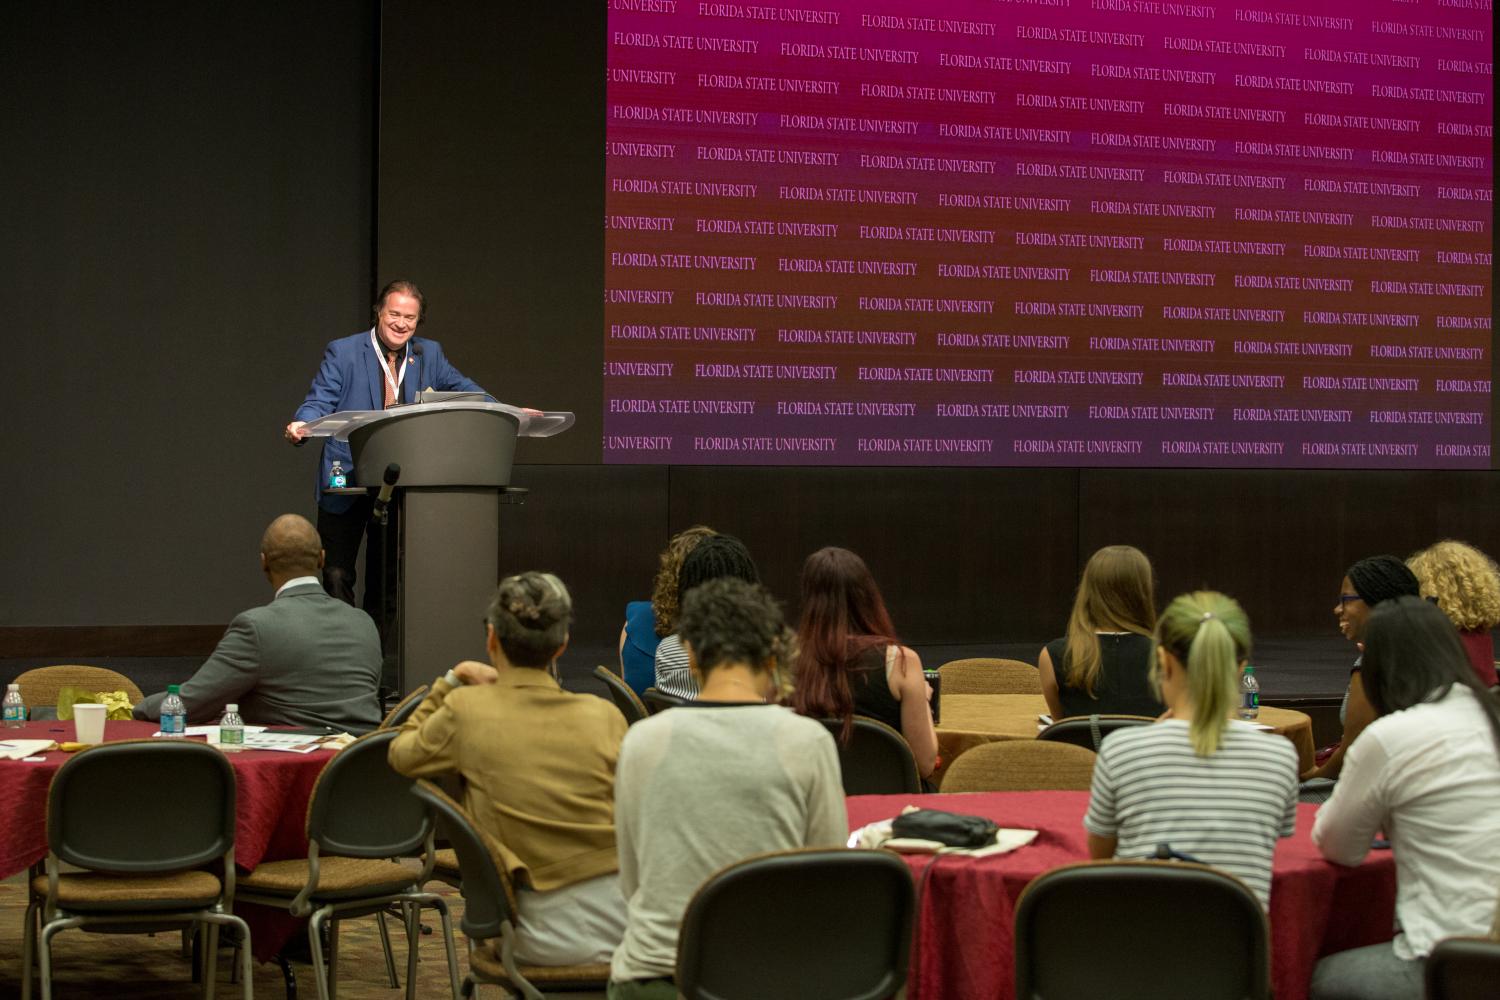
(372, 370)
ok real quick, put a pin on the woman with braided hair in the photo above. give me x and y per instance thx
(1206, 785)
(538, 765)
(1368, 582)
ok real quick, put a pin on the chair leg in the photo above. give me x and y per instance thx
(288, 976)
(28, 949)
(413, 936)
(333, 957)
(315, 947)
(44, 955)
(210, 939)
(385, 947)
(442, 909)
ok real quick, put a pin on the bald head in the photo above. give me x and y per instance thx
(290, 548)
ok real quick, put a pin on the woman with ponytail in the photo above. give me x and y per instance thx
(1427, 772)
(1206, 785)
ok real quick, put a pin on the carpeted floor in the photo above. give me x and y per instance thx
(138, 967)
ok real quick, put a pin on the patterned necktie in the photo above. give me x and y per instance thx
(393, 361)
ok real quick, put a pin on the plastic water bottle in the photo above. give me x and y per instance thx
(1249, 694)
(337, 478)
(15, 708)
(232, 727)
(173, 713)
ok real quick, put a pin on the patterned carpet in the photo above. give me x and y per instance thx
(138, 967)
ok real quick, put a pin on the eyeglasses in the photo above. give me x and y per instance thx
(1346, 598)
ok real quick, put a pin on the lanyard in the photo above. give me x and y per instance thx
(394, 381)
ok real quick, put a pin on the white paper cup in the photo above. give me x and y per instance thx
(88, 722)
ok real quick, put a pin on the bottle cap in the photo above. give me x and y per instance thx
(1249, 668)
(12, 687)
(231, 708)
(174, 689)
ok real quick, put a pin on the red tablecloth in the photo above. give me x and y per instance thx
(964, 944)
(271, 796)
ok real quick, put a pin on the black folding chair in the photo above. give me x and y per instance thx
(799, 925)
(657, 700)
(1088, 731)
(1463, 969)
(404, 709)
(1096, 902)
(490, 914)
(625, 699)
(145, 864)
(361, 815)
(876, 760)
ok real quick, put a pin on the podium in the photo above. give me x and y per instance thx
(455, 460)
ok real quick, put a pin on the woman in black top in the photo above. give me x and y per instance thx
(849, 660)
(1102, 666)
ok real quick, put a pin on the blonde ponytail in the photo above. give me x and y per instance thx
(1209, 634)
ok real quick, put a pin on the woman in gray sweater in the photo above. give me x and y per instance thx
(709, 784)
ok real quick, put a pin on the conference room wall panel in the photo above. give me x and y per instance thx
(187, 222)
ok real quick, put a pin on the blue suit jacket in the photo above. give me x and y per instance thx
(350, 379)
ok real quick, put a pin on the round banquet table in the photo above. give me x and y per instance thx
(272, 789)
(972, 719)
(963, 942)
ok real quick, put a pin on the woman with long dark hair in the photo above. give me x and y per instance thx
(851, 663)
(1103, 664)
(1427, 772)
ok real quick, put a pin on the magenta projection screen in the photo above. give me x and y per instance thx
(1049, 232)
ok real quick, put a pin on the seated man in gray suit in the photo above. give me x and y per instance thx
(305, 659)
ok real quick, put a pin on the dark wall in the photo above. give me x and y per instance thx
(196, 191)
(188, 208)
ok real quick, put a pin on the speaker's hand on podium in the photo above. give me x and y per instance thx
(296, 431)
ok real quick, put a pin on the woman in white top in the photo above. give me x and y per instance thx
(1427, 772)
(1205, 785)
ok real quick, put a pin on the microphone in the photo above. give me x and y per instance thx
(387, 487)
(416, 352)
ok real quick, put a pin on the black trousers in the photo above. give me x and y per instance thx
(342, 535)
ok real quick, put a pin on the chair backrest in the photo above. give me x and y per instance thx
(799, 925)
(142, 806)
(1463, 969)
(657, 700)
(489, 897)
(876, 760)
(625, 699)
(40, 685)
(984, 675)
(404, 709)
(1021, 766)
(1070, 944)
(1089, 730)
(361, 808)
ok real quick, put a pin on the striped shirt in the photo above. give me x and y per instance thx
(1226, 809)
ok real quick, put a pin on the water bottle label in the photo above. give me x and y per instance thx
(13, 713)
(337, 481)
(174, 725)
(234, 736)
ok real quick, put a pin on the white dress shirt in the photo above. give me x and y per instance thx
(1430, 777)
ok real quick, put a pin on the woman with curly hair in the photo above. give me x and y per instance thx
(647, 622)
(1465, 584)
